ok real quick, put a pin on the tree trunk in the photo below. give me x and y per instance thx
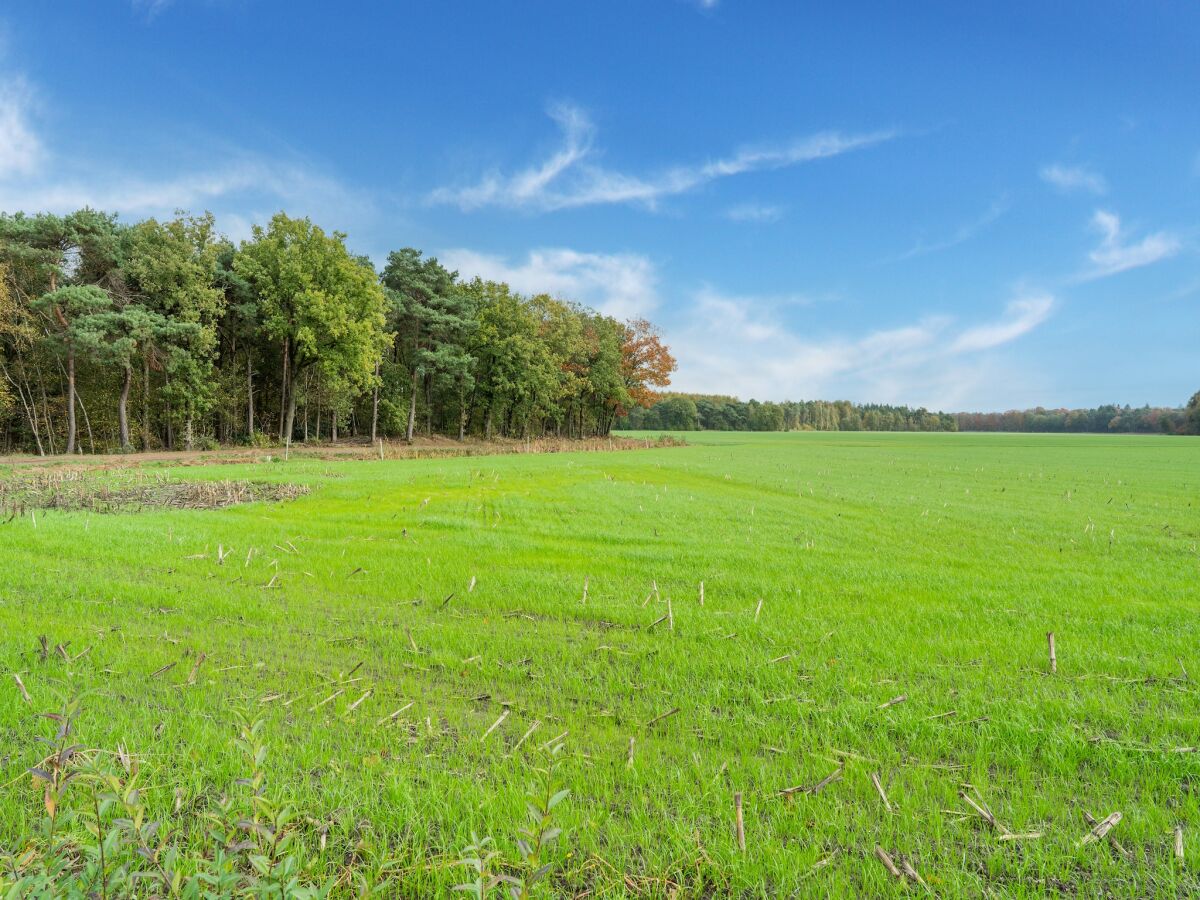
(70, 400)
(412, 409)
(250, 395)
(429, 407)
(291, 415)
(29, 406)
(87, 423)
(146, 402)
(375, 407)
(286, 413)
(122, 406)
(46, 413)
(170, 417)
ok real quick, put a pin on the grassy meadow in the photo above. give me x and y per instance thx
(380, 626)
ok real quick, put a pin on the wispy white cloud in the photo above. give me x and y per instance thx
(760, 213)
(1070, 179)
(1021, 316)
(151, 8)
(35, 176)
(623, 285)
(1116, 254)
(21, 151)
(137, 195)
(745, 346)
(961, 235)
(568, 179)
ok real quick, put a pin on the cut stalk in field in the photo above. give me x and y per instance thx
(394, 716)
(661, 716)
(1111, 838)
(912, 873)
(1100, 829)
(739, 822)
(328, 699)
(495, 725)
(982, 810)
(835, 775)
(879, 789)
(884, 857)
(21, 687)
(532, 728)
(1053, 657)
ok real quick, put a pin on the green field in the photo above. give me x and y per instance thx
(929, 566)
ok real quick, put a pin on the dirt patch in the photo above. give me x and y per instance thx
(129, 491)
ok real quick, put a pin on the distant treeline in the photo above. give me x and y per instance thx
(707, 412)
(1101, 420)
(166, 334)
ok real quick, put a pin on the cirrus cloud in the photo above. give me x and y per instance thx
(1070, 179)
(568, 178)
(1116, 253)
(622, 285)
(21, 151)
(748, 347)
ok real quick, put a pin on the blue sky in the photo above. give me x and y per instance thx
(961, 205)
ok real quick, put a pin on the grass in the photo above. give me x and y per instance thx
(926, 566)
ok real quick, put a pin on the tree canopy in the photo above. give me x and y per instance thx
(164, 334)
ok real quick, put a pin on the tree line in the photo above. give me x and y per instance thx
(1110, 419)
(165, 334)
(703, 412)
(709, 412)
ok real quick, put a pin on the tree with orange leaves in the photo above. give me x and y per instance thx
(646, 363)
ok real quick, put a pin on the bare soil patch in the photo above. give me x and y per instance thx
(128, 491)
